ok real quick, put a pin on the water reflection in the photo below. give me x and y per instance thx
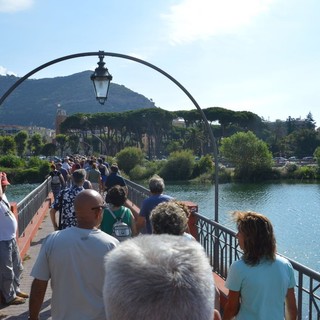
(15, 193)
(293, 209)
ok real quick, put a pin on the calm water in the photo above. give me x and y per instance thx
(15, 193)
(292, 208)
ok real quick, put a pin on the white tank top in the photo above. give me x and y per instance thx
(8, 222)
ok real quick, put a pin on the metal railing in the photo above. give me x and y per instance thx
(221, 246)
(29, 205)
(136, 193)
(219, 243)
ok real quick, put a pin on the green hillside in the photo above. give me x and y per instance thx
(35, 101)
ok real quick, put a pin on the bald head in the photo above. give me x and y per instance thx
(88, 205)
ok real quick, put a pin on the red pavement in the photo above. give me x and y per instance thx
(20, 312)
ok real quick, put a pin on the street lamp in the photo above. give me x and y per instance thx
(101, 80)
(206, 123)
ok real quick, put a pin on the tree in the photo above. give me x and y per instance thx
(179, 166)
(8, 145)
(190, 117)
(35, 144)
(21, 142)
(309, 121)
(129, 157)
(173, 146)
(277, 132)
(316, 154)
(195, 140)
(303, 142)
(250, 155)
(62, 141)
(224, 116)
(49, 149)
(74, 143)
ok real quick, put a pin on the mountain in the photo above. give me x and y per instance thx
(34, 101)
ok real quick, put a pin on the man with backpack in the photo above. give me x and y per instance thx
(57, 180)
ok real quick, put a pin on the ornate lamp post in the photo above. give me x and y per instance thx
(101, 80)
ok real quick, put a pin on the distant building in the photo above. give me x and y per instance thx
(6, 129)
(179, 122)
(48, 134)
(61, 115)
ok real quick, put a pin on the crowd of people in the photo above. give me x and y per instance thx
(104, 262)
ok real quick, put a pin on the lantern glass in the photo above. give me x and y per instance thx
(101, 88)
(101, 81)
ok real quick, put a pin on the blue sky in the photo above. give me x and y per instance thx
(254, 55)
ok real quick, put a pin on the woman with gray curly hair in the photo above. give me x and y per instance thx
(170, 218)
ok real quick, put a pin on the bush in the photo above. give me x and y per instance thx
(142, 172)
(305, 172)
(204, 165)
(138, 173)
(128, 158)
(179, 166)
(11, 161)
(288, 171)
(28, 176)
(225, 175)
(22, 175)
(43, 169)
(35, 162)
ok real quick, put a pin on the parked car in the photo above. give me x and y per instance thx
(280, 160)
(308, 160)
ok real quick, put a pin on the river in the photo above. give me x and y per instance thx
(15, 193)
(293, 209)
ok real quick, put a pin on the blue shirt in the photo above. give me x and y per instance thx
(114, 179)
(148, 205)
(263, 288)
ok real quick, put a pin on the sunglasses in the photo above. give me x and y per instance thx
(102, 206)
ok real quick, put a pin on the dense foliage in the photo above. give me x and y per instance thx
(179, 166)
(176, 144)
(33, 170)
(129, 157)
(249, 155)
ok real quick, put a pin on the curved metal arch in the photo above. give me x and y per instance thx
(123, 56)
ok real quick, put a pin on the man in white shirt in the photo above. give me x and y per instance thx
(10, 262)
(74, 261)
